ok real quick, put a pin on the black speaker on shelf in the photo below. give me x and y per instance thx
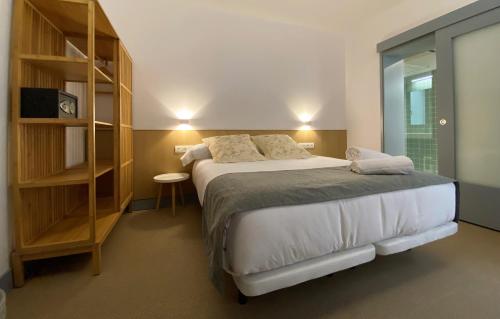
(48, 103)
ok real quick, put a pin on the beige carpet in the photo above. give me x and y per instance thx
(154, 266)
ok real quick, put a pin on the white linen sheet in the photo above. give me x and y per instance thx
(206, 170)
(270, 238)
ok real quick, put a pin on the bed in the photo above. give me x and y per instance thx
(276, 247)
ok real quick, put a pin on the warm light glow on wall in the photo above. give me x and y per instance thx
(184, 124)
(184, 114)
(183, 104)
(305, 110)
(184, 127)
(305, 118)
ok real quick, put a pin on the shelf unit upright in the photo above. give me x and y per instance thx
(62, 208)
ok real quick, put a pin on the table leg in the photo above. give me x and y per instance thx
(173, 199)
(17, 270)
(96, 259)
(159, 197)
(182, 193)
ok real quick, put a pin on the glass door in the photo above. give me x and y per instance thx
(410, 111)
(469, 114)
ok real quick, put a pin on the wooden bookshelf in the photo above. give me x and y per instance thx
(71, 17)
(71, 69)
(61, 208)
(71, 176)
(74, 227)
(103, 124)
(52, 121)
(63, 122)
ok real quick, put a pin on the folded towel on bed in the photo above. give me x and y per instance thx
(358, 153)
(393, 165)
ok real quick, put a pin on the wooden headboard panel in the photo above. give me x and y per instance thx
(154, 151)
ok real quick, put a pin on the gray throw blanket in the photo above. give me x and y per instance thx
(234, 193)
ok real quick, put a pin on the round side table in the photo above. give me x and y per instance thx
(170, 178)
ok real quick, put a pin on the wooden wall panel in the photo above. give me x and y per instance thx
(154, 152)
(38, 78)
(126, 145)
(42, 153)
(126, 139)
(39, 35)
(125, 69)
(126, 104)
(125, 182)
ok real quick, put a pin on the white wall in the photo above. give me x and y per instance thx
(5, 10)
(232, 71)
(362, 63)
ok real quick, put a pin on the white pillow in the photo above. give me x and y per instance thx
(197, 152)
(233, 149)
(280, 147)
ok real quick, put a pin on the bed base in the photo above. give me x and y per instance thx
(264, 282)
(404, 243)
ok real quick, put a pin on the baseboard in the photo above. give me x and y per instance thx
(482, 226)
(150, 203)
(6, 281)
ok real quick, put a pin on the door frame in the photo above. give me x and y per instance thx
(462, 14)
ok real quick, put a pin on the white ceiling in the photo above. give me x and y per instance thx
(325, 14)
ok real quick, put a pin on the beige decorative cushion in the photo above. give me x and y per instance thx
(280, 146)
(233, 149)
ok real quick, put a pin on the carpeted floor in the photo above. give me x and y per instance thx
(154, 266)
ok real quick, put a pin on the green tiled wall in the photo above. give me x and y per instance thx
(421, 140)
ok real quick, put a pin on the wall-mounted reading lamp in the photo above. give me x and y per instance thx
(184, 125)
(184, 120)
(306, 120)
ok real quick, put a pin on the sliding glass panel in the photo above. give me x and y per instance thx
(477, 130)
(477, 106)
(410, 117)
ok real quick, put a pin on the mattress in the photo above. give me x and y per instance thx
(271, 238)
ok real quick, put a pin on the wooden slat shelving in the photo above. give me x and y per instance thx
(71, 176)
(68, 45)
(74, 227)
(71, 69)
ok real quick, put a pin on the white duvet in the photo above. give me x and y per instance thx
(270, 238)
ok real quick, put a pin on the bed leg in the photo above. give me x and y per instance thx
(242, 299)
